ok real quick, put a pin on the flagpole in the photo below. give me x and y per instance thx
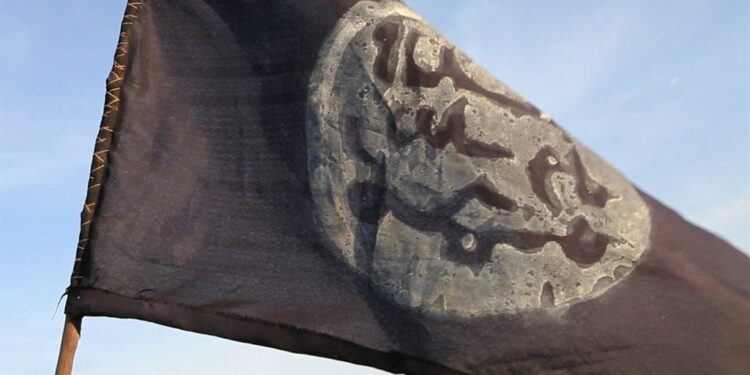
(69, 343)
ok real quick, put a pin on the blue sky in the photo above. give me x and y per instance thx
(660, 89)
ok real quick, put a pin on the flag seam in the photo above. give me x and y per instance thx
(88, 301)
(110, 119)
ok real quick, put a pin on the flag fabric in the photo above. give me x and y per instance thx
(334, 177)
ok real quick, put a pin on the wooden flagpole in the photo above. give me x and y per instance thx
(71, 335)
(72, 330)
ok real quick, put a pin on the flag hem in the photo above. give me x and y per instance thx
(99, 302)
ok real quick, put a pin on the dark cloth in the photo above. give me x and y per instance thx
(199, 217)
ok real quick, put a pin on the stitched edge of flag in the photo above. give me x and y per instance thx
(110, 119)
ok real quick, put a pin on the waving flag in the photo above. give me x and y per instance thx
(334, 177)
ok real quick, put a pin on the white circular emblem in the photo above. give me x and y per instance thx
(447, 189)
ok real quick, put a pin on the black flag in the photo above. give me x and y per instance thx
(333, 177)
